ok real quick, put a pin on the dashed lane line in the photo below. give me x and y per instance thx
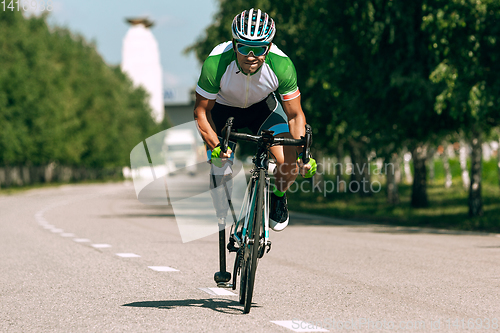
(218, 291)
(46, 225)
(299, 326)
(163, 269)
(128, 255)
(101, 246)
(82, 240)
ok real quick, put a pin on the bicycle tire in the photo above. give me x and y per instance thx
(243, 268)
(254, 248)
(243, 280)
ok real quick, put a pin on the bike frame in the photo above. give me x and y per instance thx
(261, 162)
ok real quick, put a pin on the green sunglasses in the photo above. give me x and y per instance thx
(256, 50)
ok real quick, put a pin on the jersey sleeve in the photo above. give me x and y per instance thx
(208, 85)
(287, 76)
(213, 69)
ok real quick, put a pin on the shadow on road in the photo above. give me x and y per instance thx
(136, 215)
(301, 219)
(219, 305)
(317, 220)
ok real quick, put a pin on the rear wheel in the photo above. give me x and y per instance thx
(253, 248)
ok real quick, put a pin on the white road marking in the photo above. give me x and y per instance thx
(101, 246)
(56, 230)
(82, 240)
(163, 269)
(218, 291)
(48, 226)
(128, 255)
(299, 326)
(67, 234)
(39, 217)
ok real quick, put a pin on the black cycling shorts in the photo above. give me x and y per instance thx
(267, 114)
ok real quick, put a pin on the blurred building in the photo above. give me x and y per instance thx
(180, 113)
(141, 61)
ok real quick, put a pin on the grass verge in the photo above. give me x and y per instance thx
(448, 207)
(19, 189)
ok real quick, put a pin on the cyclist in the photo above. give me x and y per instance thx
(238, 79)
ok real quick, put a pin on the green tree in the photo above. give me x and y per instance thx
(363, 69)
(60, 102)
(465, 36)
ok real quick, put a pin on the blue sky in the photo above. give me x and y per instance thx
(178, 23)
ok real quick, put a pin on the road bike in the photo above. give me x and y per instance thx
(249, 235)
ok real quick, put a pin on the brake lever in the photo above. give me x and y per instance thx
(226, 131)
(307, 145)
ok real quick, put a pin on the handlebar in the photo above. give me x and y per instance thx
(305, 141)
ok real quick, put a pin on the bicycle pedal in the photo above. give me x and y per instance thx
(224, 285)
(264, 249)
(230, 246)
(233, 249)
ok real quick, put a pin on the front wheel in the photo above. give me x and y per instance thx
(243, 277)
(253, 248)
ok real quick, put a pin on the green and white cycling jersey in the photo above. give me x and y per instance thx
(222, 79)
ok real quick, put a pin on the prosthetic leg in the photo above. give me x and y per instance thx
(221, 186)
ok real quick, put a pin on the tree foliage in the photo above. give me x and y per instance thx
(362, 66)
(385, 74)
(59, 101)
(466, 39)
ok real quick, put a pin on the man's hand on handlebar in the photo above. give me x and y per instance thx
(307, 170)
(218, 156)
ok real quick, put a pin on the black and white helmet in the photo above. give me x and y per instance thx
(253, 26)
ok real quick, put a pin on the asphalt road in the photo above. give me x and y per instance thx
(60, 272)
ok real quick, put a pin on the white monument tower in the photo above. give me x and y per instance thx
(141, 61)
